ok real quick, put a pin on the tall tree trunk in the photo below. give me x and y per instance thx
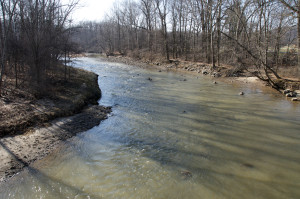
(3, 44)
(174, 41)
(65, 64)
(166, 41)
(16, 73)
(212, 48)
(298, 28)
(1, 74)
(219, 32)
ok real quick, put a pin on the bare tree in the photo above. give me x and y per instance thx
(148, 10)
(294, 6)
(8, 9)
(247, 34)
(162, 8)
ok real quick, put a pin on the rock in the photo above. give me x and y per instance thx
(6, 101)
(186, 174)
(215, 74)
(295, 99)
(241, 93)
(291, 94)
(83, 86)
(204, 72)
(215, 82)
(170, 66)
(248, 165)
(286, 91)
(184, 80)
(159, 71)
(149, 78)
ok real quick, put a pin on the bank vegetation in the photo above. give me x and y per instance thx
(34, 39)
(257, 36)
(36, 85)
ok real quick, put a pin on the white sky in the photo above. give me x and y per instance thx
(91, 10)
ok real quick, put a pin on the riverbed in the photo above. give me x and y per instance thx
(173, 135)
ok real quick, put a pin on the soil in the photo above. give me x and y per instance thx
(24, 107)
(34, 123)
(17, 152)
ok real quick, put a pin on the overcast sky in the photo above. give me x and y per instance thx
(91, 10)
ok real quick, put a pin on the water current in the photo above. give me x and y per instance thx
(177, 136)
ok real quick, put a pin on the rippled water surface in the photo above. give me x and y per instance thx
(170, 138)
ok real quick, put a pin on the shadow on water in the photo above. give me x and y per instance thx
(42, 178)
(62, 131)
(183, 141)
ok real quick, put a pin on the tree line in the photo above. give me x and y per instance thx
(34, 36)
(248, 34)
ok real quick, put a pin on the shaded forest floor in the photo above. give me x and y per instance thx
(223, 72)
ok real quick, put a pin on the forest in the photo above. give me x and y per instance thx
(34, 36)
(158, 99)
(259, 36)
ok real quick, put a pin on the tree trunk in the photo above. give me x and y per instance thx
(65, 65)
(298, 28)
(166, 41)
(212, 49)
(174, 41)
(1, 76)
(219, 32)
(16, 73)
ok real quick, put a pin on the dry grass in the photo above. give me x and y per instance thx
(290, 72)
(291, 48)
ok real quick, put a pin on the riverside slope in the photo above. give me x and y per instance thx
(31, 129)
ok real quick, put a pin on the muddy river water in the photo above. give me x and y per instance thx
(177, 136)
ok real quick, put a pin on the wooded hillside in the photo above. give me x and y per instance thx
(258, 36)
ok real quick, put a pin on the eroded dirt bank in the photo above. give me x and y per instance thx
(24, 107)
(32, 126)
(19, 151)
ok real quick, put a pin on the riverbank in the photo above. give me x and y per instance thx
(32, 126)
(224, 73)
(24, 107)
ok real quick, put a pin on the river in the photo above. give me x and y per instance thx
(177, 136)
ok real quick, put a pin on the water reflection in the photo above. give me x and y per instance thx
(233, 146)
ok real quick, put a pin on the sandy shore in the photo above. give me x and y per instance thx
(19, 151)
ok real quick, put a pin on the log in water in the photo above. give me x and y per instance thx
(169, 138)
